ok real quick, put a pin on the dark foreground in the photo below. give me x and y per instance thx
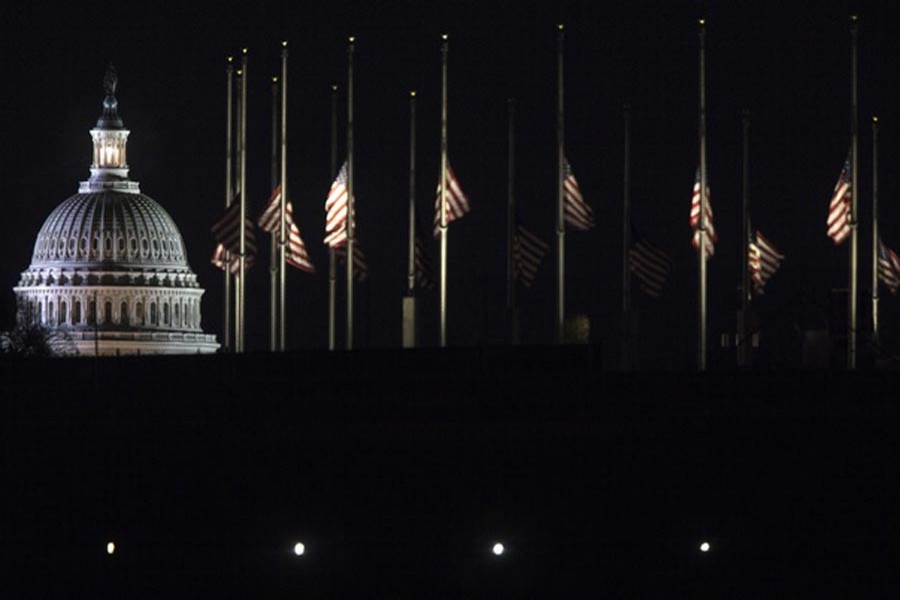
(400, 470)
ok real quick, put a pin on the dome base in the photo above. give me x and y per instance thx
(121, 343)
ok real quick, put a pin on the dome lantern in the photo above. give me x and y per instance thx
(109, 168)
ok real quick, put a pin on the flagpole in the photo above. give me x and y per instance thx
(332, 263)
(560, 218)
(443, 219)
(411, 262)
(854, 197)
(744, 347)
(229, 158)
(409, 300)
(511, 225)
(875, 235)
(240, 308)
(628, 332)
(273, 245)
(282, 267)
(701, 329)
(350, 198)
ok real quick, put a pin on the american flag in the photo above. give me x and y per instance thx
(650, 264)
(424, 268)
(839, 208)
(221, 259)
(268, 220)
(227, 232)
(711, 237)
(360, 267)
(528, 252)
(888, 267)
(578, 215)
(457, 203)
(295, 253)
(336, 208)
(764, 259)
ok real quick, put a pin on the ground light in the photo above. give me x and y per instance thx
(299, 549)
(498, 549)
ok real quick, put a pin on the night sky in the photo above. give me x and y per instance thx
(789, 67)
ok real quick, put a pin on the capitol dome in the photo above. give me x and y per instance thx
(109, 270)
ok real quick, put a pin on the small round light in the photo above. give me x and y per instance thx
(352, 39)
(498, 549)
(444, 36)
(412, 93)
(704, 547)
(299, 549)
(561, 26)
(110, 548)
(284, 44)
(243, 51)
(274, 80)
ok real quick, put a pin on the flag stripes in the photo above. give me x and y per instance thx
(268, 220)
(424, 268)
(227, 232)
(528, 252)
(839, 207)
(578, 215)
(764, 259)
(295, 253)
(888, 267)
(711, 237)
(649, 264)
(457, 202)
(336, 208)
(360, 266)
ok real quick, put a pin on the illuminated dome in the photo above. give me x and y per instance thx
(109, 269)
